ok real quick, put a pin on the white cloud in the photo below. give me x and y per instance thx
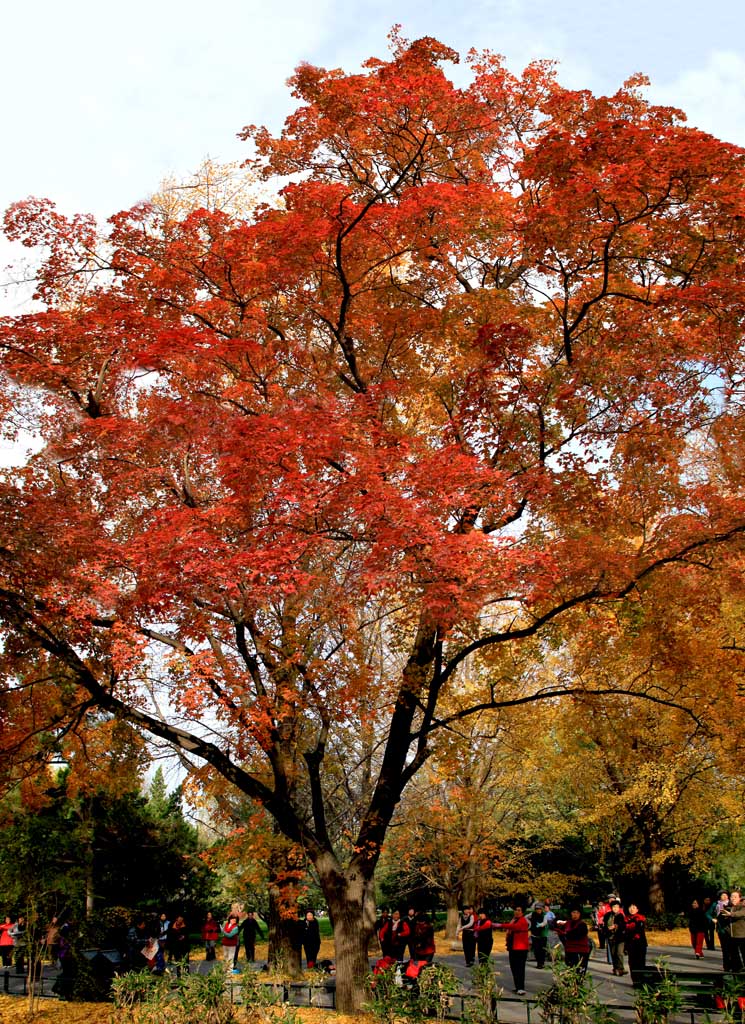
(713, 95)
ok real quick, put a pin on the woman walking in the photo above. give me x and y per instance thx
(697, 928)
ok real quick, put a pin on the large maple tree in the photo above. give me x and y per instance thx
(301, 468)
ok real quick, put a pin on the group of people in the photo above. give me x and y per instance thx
(239, 927)
(622, 933)
(415, 932)
(16, 938)
(154, 943)
(724, 918)
(524, 932)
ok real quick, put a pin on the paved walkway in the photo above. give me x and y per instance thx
(616, 993)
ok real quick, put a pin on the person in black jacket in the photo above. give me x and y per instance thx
(539, 934)
(614, 924)
(311, 939)
(250, 929)
(697, 928)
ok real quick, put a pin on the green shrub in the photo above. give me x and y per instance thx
(571, 999)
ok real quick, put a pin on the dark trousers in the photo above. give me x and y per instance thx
(616, 952)
(485, 951)
(311, 955)
(250, 948)
(726, 943)
(518, 959)
(737, 954)
(636, 954)
(579, 960)
(539, 943)
(469, 947)
(709, 933)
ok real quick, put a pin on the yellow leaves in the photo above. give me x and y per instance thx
(227, 188)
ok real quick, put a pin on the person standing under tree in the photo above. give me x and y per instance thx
(311, 939)
(697, 928)
(251, 929)
(723, 931)
(539, 934)
(422, 943)
(614, 924)
(735, 912)
(177, 945)
(6, 941)
(636, 942)
(518, 944)
(576, 938)
(467, 935)
(229, 932)
(210, 935)
(411, 921)
(483, 930)
(710, 914)
(18, 934)
(399, 935)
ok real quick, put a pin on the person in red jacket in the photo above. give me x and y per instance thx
(385, 934)
(6, 941)
(422, 942)
(229, 932)
(518, 944)
(400, 934)
(483, 931)
(636, 942)
(210, 935)
(576, 939)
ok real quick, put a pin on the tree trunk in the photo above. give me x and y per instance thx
(90, 886)
(451, 923)
(656, 888)
(282, 919)
(351, 903)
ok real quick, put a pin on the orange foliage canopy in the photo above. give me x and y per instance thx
(300, 465)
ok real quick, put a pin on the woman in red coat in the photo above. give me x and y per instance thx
(483, 931)
(422, 942)
(210, 935)
(576, 938)
(518, 944)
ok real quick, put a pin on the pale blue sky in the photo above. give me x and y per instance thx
(104, 100)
